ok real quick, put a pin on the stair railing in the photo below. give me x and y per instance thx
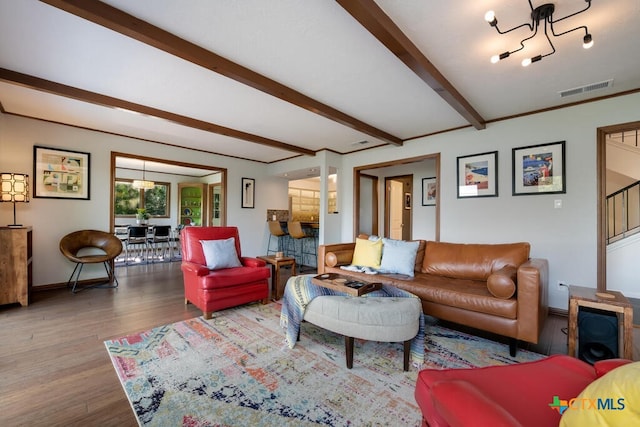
(623, 213)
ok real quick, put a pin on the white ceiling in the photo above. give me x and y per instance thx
(315, 47)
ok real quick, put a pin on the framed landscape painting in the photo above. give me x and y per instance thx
(478, 175)
(539, 169)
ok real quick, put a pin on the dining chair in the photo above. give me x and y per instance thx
(137, 238)
(160, 242)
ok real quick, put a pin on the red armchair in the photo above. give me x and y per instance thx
(212, 290)
(510, 395)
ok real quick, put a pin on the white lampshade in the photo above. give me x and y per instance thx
(14, 187)
(142, 184)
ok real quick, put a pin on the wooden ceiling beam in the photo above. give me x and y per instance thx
(126, 24)
(380, 25)
(59, 89)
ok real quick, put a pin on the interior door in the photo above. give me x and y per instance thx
(395, 210)
(398, 207)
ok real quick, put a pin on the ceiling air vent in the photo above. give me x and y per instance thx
(586, 88)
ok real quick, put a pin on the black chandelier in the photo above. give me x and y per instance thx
(543, 13)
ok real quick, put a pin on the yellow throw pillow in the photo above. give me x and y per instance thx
(611, 400)
(367, 253)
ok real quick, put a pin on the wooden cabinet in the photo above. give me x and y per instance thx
(304, 204)
(192, 204)
(16, 273)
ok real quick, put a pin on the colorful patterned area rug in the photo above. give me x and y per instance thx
(236, 370)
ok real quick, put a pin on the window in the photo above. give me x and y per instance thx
(127, 199)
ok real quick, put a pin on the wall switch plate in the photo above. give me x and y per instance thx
(557, 204)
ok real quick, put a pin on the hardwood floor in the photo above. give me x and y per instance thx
(54, 369)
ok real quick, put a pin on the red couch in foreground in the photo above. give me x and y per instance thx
(524, 394)
(216, 289)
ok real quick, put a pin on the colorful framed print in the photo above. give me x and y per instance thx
(539, 169)
(61, 174)
(478, 175)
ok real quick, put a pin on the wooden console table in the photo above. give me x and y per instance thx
(16, 272)
(612, 301)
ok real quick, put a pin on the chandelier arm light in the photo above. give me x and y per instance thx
(573, 14)
(541, 13)
(582, 27)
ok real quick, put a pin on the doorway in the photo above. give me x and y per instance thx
(602, 169)
(367, 205)
(370, 200)
(173, 172)
(398, 207)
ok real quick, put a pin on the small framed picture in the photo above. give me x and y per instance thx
(539, 169)
(61, 174)
(478, 175)
(429, 191)
(407, 200)
(248, 193)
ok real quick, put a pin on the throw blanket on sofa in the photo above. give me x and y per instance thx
(300, 291)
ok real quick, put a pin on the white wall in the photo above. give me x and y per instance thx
(53, 218)
(622, 266)
(423, 217)
(567, 237)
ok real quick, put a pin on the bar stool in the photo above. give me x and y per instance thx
(280, 237)
(307, 244)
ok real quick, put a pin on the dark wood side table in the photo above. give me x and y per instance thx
(276, 289)
(612, 301)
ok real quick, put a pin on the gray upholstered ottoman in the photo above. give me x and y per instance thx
(386, 319)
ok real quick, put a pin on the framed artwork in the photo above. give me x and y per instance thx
(478, 175)
(407, 200)
(429, 189)
(61, 174)
(248, 193)
(539, 169)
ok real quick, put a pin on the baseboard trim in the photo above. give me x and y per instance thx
(558, 312)
(63, 285)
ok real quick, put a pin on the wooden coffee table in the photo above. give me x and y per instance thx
(346, 284)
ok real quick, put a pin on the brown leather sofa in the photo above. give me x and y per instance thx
(491, 287)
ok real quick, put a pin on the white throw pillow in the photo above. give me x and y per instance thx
(220, 253)
(398, 256)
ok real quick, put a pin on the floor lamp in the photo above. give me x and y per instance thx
(14, 187)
